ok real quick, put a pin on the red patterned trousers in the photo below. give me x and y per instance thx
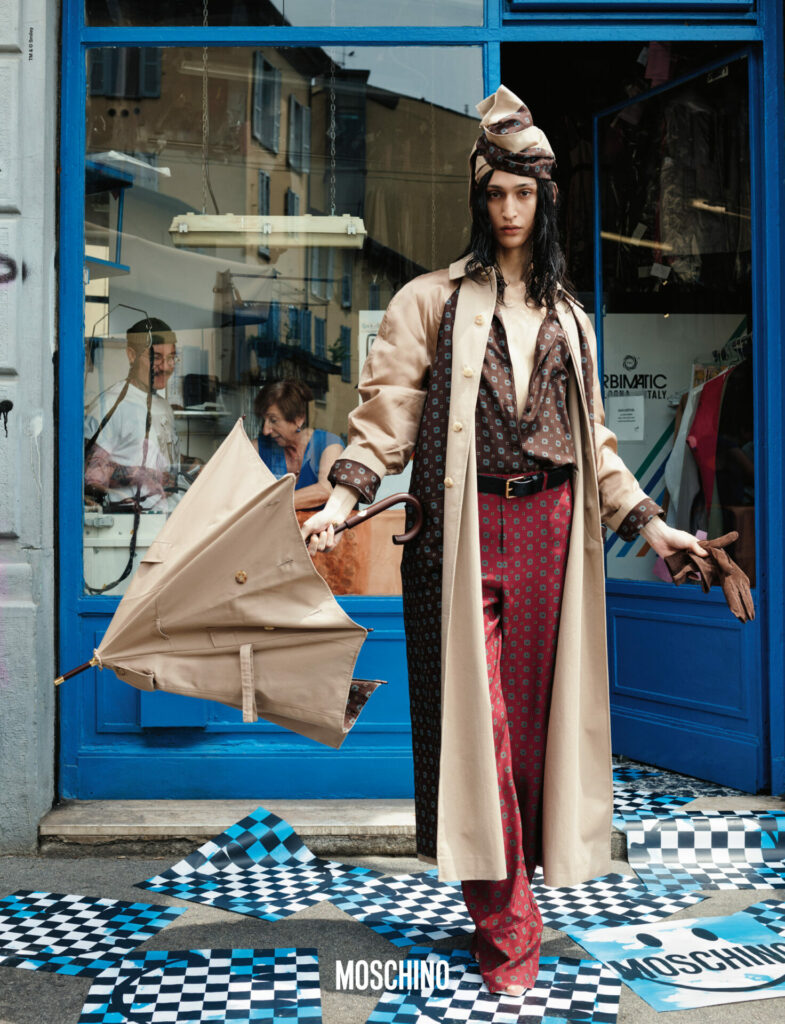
(523, 551)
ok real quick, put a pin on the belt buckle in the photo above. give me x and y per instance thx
(508, 482)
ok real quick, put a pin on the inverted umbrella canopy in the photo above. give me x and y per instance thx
(226, 605)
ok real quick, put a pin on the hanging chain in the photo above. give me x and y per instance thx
(433, 186)
(331, 132)
(205, 112)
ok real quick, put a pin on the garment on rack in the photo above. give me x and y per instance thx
(703, 434)
(681, 470)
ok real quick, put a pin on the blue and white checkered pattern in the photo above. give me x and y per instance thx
(78, 935)
(199, 985)
(709, 850)
(610, 900)
(630, 803)
(565, 990)
(408, 908)
(769, 913)
(259, 867)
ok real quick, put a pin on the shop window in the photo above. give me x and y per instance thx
(266, 112)
(298, 155)
(225, 321)
(263, 199)
(125, 73)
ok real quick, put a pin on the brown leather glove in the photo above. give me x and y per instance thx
(717, 568)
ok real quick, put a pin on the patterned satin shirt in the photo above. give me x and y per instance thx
(508, 441)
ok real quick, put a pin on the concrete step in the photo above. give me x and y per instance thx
(176, 827)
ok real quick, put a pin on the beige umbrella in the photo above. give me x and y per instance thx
(226, 605)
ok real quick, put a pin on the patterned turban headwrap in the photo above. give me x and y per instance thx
(509, 140)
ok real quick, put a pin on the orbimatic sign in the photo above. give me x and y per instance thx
(681, 965)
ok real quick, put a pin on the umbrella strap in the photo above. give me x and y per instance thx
(250, 714)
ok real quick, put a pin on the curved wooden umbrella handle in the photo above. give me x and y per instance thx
(381, 506)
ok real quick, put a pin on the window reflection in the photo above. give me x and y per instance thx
(284, 12)
(317, 194)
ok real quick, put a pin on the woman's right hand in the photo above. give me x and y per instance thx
(318, 530)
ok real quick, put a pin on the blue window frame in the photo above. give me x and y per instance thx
(677, 7)
(263, 201)
(346, 279)
(319, 336)
(125, 73)
(305, 329)
(266, 103)
(291, 203)
(346, 353)
(374, 296)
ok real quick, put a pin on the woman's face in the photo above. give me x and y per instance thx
(284, 432)
(512, 203)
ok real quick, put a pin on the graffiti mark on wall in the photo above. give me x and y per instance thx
(8, 269)
(5, 407)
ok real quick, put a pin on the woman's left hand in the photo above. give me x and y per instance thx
(667, 541)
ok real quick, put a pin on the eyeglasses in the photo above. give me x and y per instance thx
(159, 361)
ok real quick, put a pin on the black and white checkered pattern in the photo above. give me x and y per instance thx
(200, 985)
(69, 934)
(610, 900)
(709, 850)
(408, 908)
(566, 989)
(259, 867)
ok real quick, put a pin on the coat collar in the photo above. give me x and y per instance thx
(458, 268)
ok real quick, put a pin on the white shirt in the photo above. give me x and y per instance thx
(521, 325)
(122, 437)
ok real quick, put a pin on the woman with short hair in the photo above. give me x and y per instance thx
(288, 445)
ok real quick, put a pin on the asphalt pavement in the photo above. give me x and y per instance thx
(30, 997)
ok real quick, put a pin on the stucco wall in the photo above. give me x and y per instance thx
(28, 126)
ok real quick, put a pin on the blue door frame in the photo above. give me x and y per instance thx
(92, 764)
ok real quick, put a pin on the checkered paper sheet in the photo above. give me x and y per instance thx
(408, 908)
(709, 850)
(260, 867)
(612, 899)
(77, 935)
(769, 913)
(566, 990)
(417, 908)
(630, 803)
(200, 985)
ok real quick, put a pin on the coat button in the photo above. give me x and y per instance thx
(468, 371)
(241, 576)
(448, 481)
(479, 319)
(457, 427)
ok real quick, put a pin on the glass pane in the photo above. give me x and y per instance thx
(192, 328)
(676, 265)
(285, 12)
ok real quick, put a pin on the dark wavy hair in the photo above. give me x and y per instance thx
(547, 275)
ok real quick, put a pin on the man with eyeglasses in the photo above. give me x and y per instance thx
(132, 462)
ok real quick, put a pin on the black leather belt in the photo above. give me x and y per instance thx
(523, 486)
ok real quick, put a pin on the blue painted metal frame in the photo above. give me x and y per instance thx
(770, 256)
(501, 26)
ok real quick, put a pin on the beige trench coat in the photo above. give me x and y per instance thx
(577, 799)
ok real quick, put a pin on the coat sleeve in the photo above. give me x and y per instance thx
(383, 428)
(624, 505)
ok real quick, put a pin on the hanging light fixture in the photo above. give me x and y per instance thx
(277, 232)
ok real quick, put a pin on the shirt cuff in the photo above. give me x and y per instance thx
(632, 524)
(356, 475)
